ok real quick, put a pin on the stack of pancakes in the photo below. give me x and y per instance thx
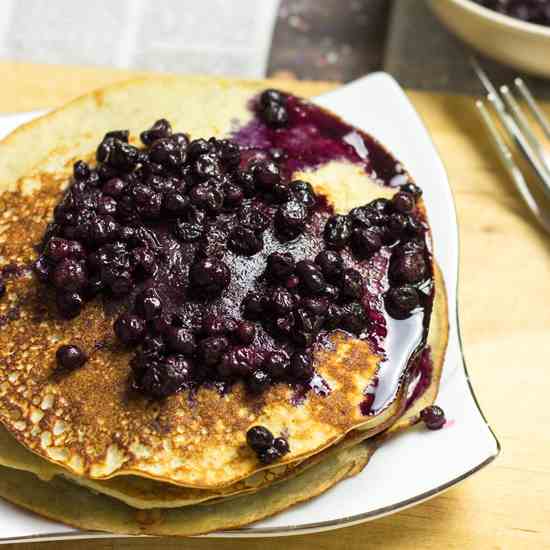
(74, 448)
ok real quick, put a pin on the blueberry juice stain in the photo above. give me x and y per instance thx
(218, 268)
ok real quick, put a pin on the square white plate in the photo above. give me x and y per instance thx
(438, 459)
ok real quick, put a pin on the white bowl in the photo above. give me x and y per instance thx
(525, 46)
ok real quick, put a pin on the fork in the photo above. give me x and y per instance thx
(516, 124)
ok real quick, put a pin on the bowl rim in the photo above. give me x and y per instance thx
(505, 20)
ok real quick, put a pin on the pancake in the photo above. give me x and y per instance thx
(84, 421)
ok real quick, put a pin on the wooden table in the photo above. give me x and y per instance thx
(505, 314)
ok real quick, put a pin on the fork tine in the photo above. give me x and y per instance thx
(517, 113)
(537, 112)
(511, 167)
(487, 84)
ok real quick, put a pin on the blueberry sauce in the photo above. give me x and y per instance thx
(531, 11)
(217, 268)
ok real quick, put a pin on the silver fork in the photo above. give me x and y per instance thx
(520, 130)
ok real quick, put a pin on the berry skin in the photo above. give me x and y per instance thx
(259, 438)
(70, 357)
(433, 417)
(129, 328)
(338, 231)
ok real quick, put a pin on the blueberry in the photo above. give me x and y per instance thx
(354, 318)
(2, 288)
(212, 348)
(245, 332)
(180, 340)
(259, 438)
(122, 135)
(317, 306)
(198, 147)
(216, 325)
(352, 285)
(367, 240)
(230, 154)
(276, 364)
(58, 249)
(122, 156)
(270, 95)
(412, 189)
(403, 202)
(175, 203)
(281, 445)
(301, 365)
(254, 216)
(433, 417)
(331, 264)
(210, 276)
(280, 301)
(307, 322)
(129, 328)
(152, 346)
(333, 316)
(269, 456)
(69, 275)
(143, 260)
(291, 217)
(70, 357)
(245, 241)
(69, 304)
(397, 224)
(81, 170)
(337, 231)
(238, 362)
(188, 232)
(149, 304)
(166, 377)
(310, 276)
(267, 175)
(253, 305)
(42, 269)
(274, 114)
(302, 191)
(401, 301)
(280, 265)
(160, 129)
(258, 381)
(106, 206)
(233, 195)
(206, 166)
(207, 195)
(167, 152)
(103, 229)
(360, 217)
(246, 180)
(408, 268)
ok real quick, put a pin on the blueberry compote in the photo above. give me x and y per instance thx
(532, 11)
(218, 267)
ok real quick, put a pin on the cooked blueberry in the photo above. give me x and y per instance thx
(276, 364)
(149, 304)
(354, 318)
(352, 285)
(152, 346)
(166, 377)
(217, 325)
(259, 438)
(254, 216)
(148, 202)
(57, 249)
(245, 332)
(415, 226)
(433, 417)
(274, 114)
(129, 328)
(122, 135)
(331, 264)
(408, 268)
(198, 147)
(180, 340)
(245, 241)
(397, 224)
(403, 202)
(333, 316)
(175, 203)
(206, 166)
(367, 240)
(337, 231)
(412, 189)
(106, 205)
(247, 183)
(69, 275)
(267, 175)
(303, 192)
(70, 357)
(332, 292)
(2, 287)
(229, 152)
(212, 348)
(210, 276)
(280, 301)
(69, 304)
(122, 156)
(280, 265)
(301, 365)
(401, 301)
(271, 95)
(167, 152)
(207, 195)
(233, 195)
(103, 229)
(258, 381)
(81, 170)
(291, 217)
(310, 276)
(238, 362)
(379, 205)
(360, 216)
(317, 306)
(281, 445)
(307, 322)
(292, 282)
(269, 456)
(253, 305)
(160, 129)
(104, 149)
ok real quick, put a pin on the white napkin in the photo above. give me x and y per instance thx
(201, 36)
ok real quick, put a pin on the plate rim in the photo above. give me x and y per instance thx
(356, 519)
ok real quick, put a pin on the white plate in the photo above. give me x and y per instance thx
(435, 460)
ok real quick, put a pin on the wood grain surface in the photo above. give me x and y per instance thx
(505, 317)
